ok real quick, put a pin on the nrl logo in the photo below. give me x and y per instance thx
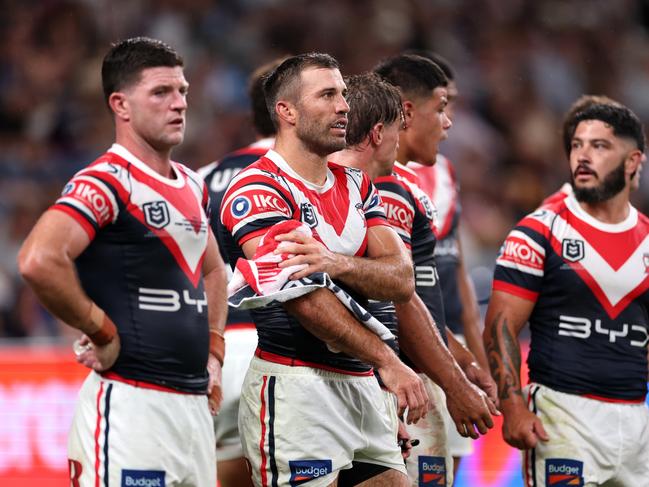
(156, 214)
(572, 249)
(308, 215)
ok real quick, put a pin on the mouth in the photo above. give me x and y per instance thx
(340, 127)
(584, 172)
(177, 122)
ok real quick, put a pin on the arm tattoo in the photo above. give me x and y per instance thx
(504, 355)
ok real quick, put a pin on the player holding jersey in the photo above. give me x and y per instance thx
(126, 255)
(577, 270)
(310, 405)
(372, 146)
(240, 333)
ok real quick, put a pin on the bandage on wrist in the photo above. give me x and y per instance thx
(217, 345)
(105, 329)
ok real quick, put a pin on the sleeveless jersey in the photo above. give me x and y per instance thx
(412, 215)
(339, 214)
(440, 184)
(589, 282)
(143, 265)
(217, 175)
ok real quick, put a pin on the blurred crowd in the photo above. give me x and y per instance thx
(519, 65)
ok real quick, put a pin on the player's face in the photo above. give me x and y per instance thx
(452, 95)
(157, 105)
(321, 122)
(428, 126)
(598, 162)
(386, 153)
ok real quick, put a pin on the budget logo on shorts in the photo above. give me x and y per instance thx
(432, 471)
(572, 249)
(303, 471)
(240, 207)
(156, 214)
(143, 478)
(561, 471)
(308, 215)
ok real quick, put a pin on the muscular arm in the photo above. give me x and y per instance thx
(470, 312)
(506, 316)
(323, 315)
(386, 274)
(421, 341)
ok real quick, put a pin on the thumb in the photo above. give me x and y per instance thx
(540, 430)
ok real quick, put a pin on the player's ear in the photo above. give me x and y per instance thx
(376, 134)
(633, 161)
(119, 105)
(408, 113)
(285, 110)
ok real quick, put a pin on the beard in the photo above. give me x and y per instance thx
(317, 138)
(613, 183)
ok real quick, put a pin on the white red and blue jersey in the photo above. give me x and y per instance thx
(440, 184)
(589, 282)
(143, 265)
(412, 215)
(339, 213)
(217, 176)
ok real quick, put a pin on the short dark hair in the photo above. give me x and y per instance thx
(371, 100)
(126, 60)
(282, 79)
(414, 75)
(622, 120)
(261, 120)
(438, 59)
(583, 102)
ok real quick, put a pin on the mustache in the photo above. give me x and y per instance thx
(583, 168)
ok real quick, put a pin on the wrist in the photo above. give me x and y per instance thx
(101, 329)
(217, 345)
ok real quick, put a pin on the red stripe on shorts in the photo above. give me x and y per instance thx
(97, 428)
(262, 442)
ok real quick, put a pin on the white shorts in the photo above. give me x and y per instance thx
(240, 345)
(301, 425)
(594, 442)
(430, 462)
(130, 436)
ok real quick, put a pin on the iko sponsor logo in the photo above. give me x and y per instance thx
(517, 250)
(398, 215)
(580, 327)
(143, 478)
(97, 201)
(156, 214)
(240, 207)
(572, 249)
(270, 203)
(432, 471)
(561, 471)
(168, 300)
(309, 215)
(303, 471)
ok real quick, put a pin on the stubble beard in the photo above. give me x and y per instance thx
(317, 141)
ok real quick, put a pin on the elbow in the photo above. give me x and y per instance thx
(406, 286)
(31, 264)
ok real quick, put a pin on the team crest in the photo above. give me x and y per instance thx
(308, 215)
(431, 213)
(572, 249)
(156, 214)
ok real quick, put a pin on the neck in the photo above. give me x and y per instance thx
(357, 158)
(613, 210)
(158, 160)
(310, 166)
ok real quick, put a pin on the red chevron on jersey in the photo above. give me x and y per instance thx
(166, 207)
(610, 259)
(439, 182)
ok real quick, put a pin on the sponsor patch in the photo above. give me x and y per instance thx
(303, 471)
(156, 214)
(90, 195)
(143, 478)
(240, 207)
(432, 471)
(564, 472)
(67, 189)
(572, 249)
(518, 251)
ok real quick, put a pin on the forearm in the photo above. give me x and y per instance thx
(323, 315)
(386, 278)
(461, 354)
(421, 341)
(470, 317)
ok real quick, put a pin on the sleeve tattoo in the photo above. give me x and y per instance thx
(504, 357)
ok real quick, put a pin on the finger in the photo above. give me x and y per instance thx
(462, 430)
(291, 237)
(540, 430)
(401, 403)
(493, 408)
(482, 426)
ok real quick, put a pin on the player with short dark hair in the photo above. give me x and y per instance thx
(312, 351)
(576, 269)
(126, 255)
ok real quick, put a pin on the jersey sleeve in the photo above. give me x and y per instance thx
(372, 204)
(90, 200)
(253, 203)
(398, 206)
(521, 262)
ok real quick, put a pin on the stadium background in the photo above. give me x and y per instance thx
(519, 65)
